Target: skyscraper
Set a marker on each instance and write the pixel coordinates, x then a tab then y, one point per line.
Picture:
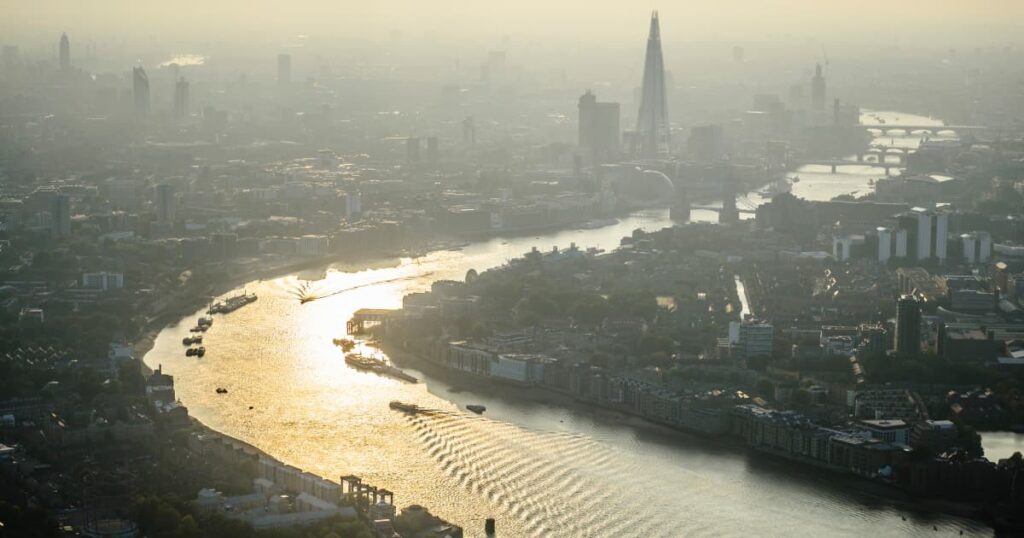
818	89
652	129
181	99
65	53
60	214
284	69
140	91
908	326
598	127
165	205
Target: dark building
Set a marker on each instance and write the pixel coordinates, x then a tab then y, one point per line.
181	99
165	205
598	127
60	212
872	340
469	131
652	127
140	91
818	89
706	143
908	326
65	53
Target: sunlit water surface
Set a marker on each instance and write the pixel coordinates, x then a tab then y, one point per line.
539	468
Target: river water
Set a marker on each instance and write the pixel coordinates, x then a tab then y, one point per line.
539	468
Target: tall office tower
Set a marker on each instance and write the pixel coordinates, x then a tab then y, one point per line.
927	233
706	143
469	131
652	128
60	214
284	69
908	326
412	150
753	339
598	127
65	53
181	99
165	205
140	91
818	89
977	247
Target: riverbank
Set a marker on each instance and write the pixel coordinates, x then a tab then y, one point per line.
858	488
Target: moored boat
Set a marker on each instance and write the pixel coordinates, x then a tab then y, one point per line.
232	303
476	408
405	407
378	366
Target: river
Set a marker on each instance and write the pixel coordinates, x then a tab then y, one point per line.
540	469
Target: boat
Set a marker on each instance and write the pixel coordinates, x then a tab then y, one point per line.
346	344
405	407
476	408
232	303
378	366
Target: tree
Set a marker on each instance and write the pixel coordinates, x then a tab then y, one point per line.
589	309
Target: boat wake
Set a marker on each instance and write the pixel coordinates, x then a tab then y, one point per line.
552	484
307	291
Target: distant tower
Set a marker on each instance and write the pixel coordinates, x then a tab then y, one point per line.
165	205
284	69
598	127
729	212
652	129
680	209
140	91
65	53
469	131
60	214
181	99
818	89
908	326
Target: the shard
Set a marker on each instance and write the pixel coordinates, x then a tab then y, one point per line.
652	129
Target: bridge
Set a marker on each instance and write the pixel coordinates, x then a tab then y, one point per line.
719	209
890	128
879	162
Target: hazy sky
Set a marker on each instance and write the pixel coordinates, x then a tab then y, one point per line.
570	20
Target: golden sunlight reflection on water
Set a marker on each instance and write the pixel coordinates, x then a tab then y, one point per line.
540	469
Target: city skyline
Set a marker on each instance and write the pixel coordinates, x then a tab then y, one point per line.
392	270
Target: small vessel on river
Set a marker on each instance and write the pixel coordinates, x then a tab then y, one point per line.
378	366
232	303
405	407
346	344
476	408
